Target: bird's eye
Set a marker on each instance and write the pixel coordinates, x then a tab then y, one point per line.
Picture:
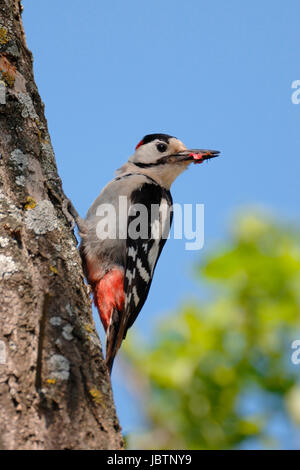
161	147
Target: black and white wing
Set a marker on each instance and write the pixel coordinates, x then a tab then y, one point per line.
142	253
149	221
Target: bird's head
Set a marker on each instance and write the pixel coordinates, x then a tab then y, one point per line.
163	157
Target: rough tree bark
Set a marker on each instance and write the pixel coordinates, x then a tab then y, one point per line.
55	392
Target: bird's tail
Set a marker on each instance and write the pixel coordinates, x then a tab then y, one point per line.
112	345
115	334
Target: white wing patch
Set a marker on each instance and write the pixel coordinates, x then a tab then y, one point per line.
132	252
152	256
143	272
129	276
155	230
135	296
164	215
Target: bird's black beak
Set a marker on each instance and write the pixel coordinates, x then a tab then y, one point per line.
197	155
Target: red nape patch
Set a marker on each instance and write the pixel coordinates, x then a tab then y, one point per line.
139	144
109	294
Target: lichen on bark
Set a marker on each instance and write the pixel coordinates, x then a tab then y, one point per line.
53	357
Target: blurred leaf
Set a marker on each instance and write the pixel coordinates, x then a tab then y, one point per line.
205	357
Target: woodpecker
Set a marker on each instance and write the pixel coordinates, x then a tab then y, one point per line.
120	268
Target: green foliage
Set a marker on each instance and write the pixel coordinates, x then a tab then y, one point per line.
206	358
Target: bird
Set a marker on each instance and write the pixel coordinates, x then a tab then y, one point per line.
119	262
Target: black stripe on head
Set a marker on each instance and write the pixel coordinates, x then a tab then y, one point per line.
150	137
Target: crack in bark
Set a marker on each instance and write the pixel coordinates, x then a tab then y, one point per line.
39	362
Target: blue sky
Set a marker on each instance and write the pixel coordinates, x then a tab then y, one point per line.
215	74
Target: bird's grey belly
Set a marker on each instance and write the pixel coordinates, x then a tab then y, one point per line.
110	207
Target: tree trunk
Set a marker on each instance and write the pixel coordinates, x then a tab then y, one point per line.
55	392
